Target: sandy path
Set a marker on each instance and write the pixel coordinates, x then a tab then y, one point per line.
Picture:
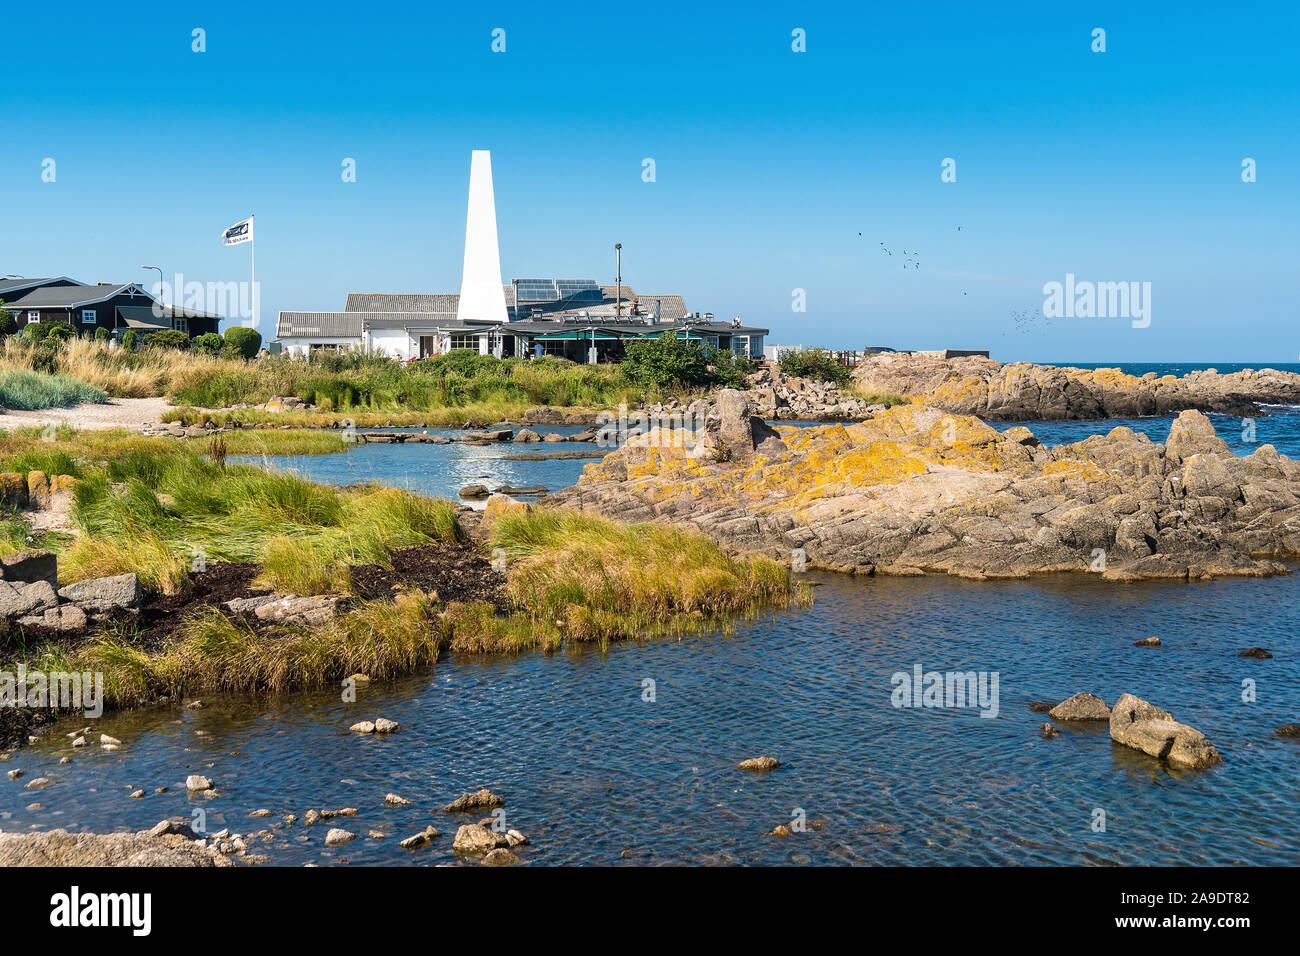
117	413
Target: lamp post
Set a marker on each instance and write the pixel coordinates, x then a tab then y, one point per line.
160	284
618	278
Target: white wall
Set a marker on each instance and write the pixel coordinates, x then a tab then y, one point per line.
395	343
298	347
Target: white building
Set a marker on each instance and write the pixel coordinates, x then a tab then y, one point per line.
574	318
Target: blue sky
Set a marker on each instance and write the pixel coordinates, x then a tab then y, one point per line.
1115	166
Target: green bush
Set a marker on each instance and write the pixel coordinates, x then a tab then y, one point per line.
666	362
168	339
244	340
729	369
35	331
209	342
101	334
8	326
61	333
814	363
130	340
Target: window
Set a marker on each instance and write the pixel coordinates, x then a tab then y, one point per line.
87	316
33	317
464	342
180	323
552	347
325	347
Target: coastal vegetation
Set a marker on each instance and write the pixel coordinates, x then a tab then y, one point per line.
816	364
26	389
209	376
168	512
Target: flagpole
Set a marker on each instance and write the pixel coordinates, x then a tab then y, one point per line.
252	251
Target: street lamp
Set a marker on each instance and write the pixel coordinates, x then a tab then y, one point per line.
618	278
160	278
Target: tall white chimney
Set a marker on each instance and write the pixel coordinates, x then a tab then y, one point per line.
481	294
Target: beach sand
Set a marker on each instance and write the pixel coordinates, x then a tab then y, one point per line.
117	413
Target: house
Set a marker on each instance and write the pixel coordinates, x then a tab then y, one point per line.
571	318
105	305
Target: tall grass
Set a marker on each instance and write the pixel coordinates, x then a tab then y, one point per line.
596	580
350	382
153	513
28	390
215	653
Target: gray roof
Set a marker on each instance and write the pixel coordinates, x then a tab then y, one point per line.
13	285
336	325
64	297
400	302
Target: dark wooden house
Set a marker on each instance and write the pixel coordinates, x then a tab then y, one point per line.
106	305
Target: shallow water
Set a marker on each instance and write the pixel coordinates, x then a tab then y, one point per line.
1280	427
593	774
442	470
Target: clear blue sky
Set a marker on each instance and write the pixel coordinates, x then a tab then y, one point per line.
1118	166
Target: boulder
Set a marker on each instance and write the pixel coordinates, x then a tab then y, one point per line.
1141	725
66	617
527	436
423	838
338	837
29	566
499	857
475	491
363	727
310	611
482	800
476	838
1286	730
1258	653
758	764
493	435
22	599
1192	433
734	433
101	595
1082	706
197	783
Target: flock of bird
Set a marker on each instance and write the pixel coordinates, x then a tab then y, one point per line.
1024	320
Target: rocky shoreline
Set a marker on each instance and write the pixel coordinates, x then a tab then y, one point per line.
1023	391
916	490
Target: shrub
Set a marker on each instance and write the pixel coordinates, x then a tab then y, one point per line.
60	333
35	331
244	340
130	340
814	363
209	342
101	334
7	324
168	339
665	362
